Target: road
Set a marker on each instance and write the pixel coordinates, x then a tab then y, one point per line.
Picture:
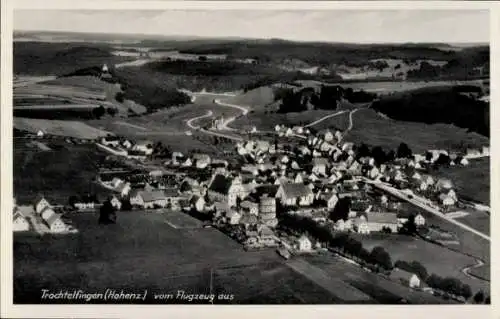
425	207
465	271
324	118
190	121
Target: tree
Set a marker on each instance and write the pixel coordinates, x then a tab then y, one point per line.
72	200
443	160
353	247
107	213
409	228
381	257
487	300
379	155
391	156
404	151
111	111
126	205
419	270
363	151
434	281
465	291
98	112
479	297
341	210
120	97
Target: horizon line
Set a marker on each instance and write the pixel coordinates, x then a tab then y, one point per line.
235	38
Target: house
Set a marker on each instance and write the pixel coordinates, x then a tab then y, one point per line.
405	278
360	225
40	204
464	162
338	135
328	136
47	212
376	222
149	199
288	132
40	133
144	146
304	150
320	165
55	224
446	200
291	194
266	236
233	217
419	220
110	141
226	189
374	172
127	144
304	244
187	162
354	168
277	128
250	207
330	199
123	188
20	222
197	202
201	160
116	203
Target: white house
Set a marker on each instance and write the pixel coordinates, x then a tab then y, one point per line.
464	162
419	220
226	189
198	202
40	133
20	222
329	136
304	244
40	204
295	194
320	165
145	147
406	278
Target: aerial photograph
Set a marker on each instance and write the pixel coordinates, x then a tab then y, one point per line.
253	157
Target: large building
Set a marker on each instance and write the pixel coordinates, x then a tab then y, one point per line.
226	189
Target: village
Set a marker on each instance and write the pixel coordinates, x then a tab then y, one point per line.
272	194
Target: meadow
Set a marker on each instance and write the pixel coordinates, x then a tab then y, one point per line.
376	130
437	259
74	129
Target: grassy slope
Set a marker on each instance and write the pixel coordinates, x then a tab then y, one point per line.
472	181
57	174
373	129
38	58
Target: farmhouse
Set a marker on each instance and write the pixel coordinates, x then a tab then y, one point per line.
295	194
55	223
40	204
376	222
40	133
148	199
20	222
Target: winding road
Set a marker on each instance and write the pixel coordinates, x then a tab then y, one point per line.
324	118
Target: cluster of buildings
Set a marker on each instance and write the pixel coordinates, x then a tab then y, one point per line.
139	150
40	217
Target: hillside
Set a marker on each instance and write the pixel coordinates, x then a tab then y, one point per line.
437	105
40	58
256	98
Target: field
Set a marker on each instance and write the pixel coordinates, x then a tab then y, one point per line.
267	122
380	289
436	259
471	182
373	129
181	220
141	252
257	98
56	127
57	174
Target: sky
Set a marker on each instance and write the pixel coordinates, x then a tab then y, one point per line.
373	26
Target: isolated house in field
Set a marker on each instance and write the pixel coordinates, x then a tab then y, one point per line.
20	222
295	195
40	133
226	189
40	204
405	278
